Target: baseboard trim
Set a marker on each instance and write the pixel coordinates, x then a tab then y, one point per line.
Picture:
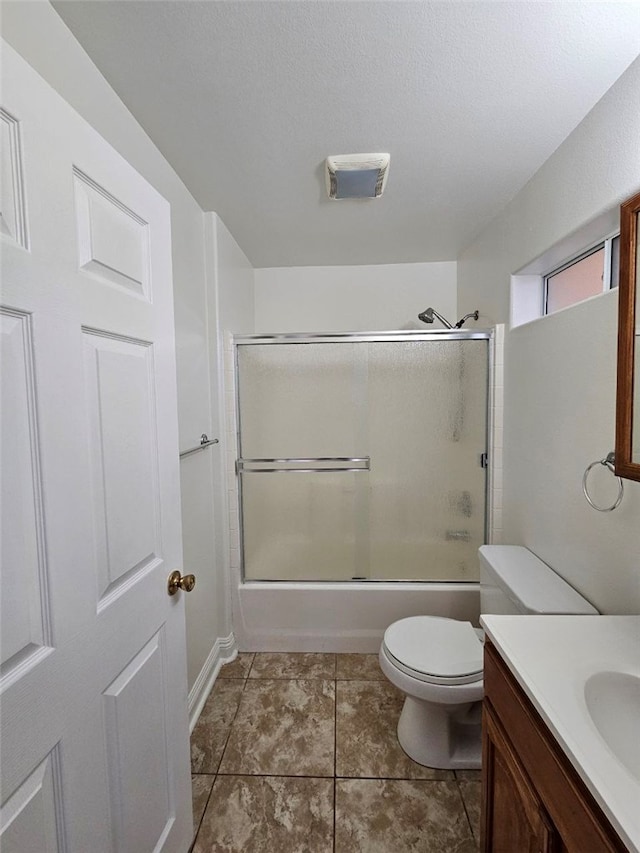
224	650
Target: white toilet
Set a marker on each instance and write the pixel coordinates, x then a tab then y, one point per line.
437	662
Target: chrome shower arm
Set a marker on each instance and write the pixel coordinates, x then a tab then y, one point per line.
443	320
428	315
460	323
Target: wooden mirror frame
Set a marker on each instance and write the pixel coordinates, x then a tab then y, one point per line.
628	296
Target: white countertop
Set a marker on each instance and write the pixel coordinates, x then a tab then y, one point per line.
552	657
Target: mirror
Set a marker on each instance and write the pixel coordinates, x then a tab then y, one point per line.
628	399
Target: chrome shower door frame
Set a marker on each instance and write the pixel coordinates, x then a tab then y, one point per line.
352	337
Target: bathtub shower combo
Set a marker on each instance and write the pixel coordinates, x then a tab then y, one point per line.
362	460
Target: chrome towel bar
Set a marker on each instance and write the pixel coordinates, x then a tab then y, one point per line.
204	442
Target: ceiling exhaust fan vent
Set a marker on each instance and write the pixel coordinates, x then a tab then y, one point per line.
356	175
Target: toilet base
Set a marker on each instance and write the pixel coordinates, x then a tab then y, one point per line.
441	736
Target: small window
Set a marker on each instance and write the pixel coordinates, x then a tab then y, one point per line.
588	274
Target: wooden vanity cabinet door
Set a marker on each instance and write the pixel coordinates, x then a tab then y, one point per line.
533	798
513	818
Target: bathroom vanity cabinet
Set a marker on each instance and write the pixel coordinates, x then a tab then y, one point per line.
533	801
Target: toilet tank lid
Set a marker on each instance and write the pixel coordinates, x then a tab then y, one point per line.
532	585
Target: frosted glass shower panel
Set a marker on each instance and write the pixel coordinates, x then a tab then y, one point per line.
301	400
308	527
427	416
303	427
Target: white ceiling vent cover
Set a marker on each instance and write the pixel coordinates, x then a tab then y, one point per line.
357	175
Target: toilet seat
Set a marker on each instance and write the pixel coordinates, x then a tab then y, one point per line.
435	650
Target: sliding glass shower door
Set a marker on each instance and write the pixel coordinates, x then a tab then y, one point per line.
360	457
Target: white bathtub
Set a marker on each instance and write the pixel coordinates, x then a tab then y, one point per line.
345	617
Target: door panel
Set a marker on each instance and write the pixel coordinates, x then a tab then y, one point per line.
13	219
29	819
24	617
113	241
119	385
136	730
94	694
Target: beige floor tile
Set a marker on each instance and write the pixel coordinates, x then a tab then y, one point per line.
367	714
472	795
210	733
398	816
293	665
200	788
258	814
352	667
283	728
238	668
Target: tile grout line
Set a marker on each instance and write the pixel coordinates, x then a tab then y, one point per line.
217	773
466	811
335	750
226	740
204	811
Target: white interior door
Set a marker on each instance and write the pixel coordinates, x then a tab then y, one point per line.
93	693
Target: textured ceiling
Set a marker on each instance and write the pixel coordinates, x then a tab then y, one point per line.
246	99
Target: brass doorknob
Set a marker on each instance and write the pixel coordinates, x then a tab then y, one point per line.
177	581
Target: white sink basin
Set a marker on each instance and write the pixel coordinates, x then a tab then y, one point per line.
613	702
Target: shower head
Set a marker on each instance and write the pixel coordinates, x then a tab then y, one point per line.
429	313
426	316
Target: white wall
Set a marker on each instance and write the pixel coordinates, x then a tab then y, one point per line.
235	282
354	298
35	31
560	371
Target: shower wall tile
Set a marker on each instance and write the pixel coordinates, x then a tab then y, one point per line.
496	439
231	451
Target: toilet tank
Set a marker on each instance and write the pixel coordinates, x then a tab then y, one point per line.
514	580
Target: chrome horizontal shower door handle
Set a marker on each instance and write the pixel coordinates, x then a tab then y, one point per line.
303	465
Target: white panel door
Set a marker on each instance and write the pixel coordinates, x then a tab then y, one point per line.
93	693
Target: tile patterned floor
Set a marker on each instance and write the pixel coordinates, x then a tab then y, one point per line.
297	753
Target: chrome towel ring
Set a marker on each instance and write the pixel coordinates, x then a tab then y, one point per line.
608	462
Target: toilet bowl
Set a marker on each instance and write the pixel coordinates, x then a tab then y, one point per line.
437	662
